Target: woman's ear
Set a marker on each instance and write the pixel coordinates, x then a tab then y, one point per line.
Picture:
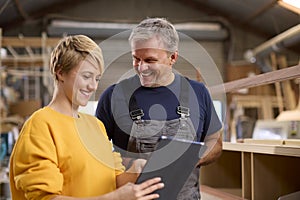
59	75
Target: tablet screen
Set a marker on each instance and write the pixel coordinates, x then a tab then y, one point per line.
173	161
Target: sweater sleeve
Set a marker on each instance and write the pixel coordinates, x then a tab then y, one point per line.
35	167
119	167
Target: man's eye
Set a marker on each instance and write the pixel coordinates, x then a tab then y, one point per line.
150	61
135	60
98	79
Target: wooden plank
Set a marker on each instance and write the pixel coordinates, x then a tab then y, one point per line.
246	175
261	79
28	41
228	173
214	193
0	47
277	84
252	176
274	176
289	95
283	150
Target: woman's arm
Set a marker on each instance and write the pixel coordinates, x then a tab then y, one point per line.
132	173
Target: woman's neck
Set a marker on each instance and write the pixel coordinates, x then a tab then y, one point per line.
64	106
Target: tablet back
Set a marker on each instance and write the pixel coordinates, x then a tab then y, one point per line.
173	161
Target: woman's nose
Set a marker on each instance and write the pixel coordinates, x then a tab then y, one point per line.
93	85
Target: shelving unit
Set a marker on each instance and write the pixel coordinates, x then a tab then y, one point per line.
28	57
255	171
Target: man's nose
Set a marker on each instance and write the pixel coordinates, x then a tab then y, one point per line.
143	66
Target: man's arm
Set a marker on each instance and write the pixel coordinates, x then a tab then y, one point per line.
214	148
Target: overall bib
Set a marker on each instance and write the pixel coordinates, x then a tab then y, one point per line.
146	133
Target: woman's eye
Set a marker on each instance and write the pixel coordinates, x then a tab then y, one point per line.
86	77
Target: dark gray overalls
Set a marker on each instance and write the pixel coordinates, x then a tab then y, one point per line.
145	134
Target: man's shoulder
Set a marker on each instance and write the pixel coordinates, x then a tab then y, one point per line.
123	88
133	80
195	84
128	85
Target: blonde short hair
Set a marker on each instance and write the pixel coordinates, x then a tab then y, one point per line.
71	50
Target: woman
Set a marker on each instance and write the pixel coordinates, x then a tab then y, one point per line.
64	154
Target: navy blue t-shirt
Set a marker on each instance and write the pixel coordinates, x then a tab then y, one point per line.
159	103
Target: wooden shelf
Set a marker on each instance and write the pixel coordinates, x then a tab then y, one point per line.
260	171
35	50
283	150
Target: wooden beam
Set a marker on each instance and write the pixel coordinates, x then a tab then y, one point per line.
261	79
34	42
213	12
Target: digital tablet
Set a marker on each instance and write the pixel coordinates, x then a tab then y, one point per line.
173	160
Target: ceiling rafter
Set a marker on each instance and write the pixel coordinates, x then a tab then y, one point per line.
21	10
260	11
203	7
40	13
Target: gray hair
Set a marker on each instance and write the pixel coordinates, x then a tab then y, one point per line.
156	27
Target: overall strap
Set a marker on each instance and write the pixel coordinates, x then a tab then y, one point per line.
128	87
183	109
135	112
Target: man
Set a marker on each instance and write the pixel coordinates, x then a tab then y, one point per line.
157	101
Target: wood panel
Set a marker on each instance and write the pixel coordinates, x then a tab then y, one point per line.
28	41
261	79
223	174
275	176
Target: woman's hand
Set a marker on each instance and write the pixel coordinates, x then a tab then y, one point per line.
137	166
132	173
142	191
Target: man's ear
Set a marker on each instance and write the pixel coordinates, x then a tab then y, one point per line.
174	57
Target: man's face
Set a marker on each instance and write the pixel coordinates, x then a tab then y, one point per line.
152	63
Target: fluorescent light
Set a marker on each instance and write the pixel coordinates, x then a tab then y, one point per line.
91	25
196	30
293	5
198	26
100	25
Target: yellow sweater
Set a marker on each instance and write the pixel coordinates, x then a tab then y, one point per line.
57	154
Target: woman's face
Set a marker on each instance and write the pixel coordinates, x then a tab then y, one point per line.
80	83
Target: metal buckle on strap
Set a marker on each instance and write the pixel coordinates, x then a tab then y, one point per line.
136	114
183	111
